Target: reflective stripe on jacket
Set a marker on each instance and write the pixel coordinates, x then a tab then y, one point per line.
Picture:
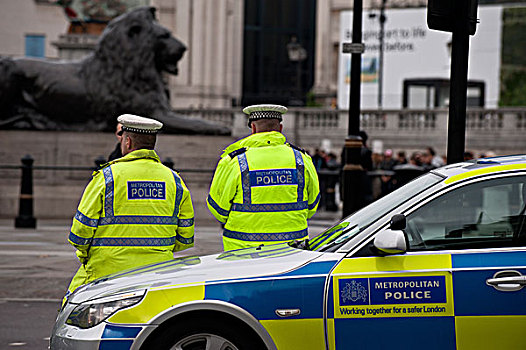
263	190
135	211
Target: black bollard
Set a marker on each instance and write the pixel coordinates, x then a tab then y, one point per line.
25	218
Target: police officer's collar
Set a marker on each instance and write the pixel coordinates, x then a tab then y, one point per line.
137	154
262	139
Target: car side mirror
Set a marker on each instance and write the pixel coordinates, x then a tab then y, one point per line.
398	222
391	241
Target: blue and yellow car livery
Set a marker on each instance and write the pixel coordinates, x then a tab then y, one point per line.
462	288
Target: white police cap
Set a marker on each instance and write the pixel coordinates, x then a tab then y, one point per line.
139	125
265	111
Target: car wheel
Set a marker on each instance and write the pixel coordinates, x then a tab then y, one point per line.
204	341
204	334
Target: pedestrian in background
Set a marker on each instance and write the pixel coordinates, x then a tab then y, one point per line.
401	158
468	155
331	181
436	160
264	189
409	171
319	159
117	153
135	211
387	162
366	161
387	184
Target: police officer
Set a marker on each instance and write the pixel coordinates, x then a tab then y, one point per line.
264	189
135	211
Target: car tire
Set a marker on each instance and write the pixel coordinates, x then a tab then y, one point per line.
201	334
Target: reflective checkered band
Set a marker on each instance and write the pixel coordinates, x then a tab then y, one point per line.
313	205
216	206
178	193
108	194
184	240
186	222
265	115
138	219
300	167
132	242
245	178
78	240
138	131
263	237
270	207
84	220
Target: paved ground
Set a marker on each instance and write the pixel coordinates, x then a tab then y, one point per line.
36	266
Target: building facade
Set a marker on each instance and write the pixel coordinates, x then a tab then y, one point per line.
29	28
238	50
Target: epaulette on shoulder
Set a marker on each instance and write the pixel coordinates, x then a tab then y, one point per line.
237	152
297	148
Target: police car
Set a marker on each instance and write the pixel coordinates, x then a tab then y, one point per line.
437	264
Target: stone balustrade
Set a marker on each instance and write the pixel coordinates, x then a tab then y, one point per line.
500	130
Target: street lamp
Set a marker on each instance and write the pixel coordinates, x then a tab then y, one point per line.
382	20
460	18
353	172
297	54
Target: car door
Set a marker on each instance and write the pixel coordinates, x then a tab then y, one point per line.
460	285
400	301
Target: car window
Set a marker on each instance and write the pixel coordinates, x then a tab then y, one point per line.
334	237
485	214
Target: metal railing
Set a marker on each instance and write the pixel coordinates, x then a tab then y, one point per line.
25	218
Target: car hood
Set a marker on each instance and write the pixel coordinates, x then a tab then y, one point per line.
238	264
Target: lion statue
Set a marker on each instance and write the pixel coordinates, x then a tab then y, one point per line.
122	75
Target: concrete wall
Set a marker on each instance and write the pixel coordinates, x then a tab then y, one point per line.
57	192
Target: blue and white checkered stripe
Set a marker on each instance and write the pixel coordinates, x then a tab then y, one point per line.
78	240
186	222
87	221
138	220
271	207
184	240
129	241
132	242
245	178
300	167
108	194
216	206
315	203
178	193
262	237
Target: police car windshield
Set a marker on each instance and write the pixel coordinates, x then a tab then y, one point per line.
337	235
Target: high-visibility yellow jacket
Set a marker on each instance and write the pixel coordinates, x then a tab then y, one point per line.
263	190
135	211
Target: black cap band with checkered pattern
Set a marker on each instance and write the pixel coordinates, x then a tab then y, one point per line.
265	111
